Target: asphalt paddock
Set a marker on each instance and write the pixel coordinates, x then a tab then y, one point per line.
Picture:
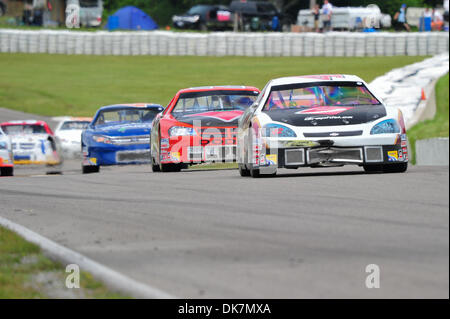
307	233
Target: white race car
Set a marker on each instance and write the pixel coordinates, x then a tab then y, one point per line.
320	121
6	156
32	142
68	132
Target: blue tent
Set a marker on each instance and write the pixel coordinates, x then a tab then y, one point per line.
131	18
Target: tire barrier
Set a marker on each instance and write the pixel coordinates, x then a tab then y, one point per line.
409	87
223	43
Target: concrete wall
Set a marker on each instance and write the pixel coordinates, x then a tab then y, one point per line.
432	151
223	43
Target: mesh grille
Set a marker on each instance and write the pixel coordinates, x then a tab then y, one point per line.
295	156
335	155
142	156
374	154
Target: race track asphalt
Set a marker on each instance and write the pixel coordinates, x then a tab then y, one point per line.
308	233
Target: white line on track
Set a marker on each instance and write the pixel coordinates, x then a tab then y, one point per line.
111	278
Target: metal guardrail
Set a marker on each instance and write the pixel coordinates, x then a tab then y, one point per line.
223	43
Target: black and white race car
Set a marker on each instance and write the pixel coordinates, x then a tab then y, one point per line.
320	121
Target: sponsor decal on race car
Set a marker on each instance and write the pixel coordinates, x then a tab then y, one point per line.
392	156
315	118
299	143
175	156
271	159
165	143
325	110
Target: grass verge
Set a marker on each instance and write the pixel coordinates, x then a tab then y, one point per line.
436	127
78	85
25	272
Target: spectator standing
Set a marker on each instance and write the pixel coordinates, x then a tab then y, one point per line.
437	20
316	14
400	17
327	11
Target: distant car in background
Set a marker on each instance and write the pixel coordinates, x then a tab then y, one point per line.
205	17
349	18
68	133
90	12
6	156
118	135
33	142
260	16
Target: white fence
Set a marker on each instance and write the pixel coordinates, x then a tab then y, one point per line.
223	43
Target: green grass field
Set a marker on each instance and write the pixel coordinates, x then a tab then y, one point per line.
26	273
77	85
438	126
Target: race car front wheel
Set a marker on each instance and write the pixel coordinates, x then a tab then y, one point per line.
90	169
255	173
243	170
170	167
155	167
7	171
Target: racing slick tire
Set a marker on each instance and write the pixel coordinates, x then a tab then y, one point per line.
170	167
7	171
88	169
255	173
243	171
395	168
155	167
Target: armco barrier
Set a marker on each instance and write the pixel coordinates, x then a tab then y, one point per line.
224	43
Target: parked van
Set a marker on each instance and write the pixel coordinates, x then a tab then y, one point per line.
90	12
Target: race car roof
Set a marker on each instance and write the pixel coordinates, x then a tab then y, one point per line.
219	88
316	78
132	105
26	122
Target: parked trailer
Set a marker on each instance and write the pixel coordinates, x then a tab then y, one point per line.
349	18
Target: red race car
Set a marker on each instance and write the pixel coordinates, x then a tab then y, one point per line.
199	125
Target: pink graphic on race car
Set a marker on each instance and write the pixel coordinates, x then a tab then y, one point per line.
227	116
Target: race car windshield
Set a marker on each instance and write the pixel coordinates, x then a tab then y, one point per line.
126	116
214	102
24	129
305	96
74	125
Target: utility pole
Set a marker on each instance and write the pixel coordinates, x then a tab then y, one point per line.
312	4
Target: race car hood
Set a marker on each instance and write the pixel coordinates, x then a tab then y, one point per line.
328	115
124	129
27	137
71	135
211	118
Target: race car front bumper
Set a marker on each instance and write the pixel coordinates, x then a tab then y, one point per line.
117	155
190	150
308	153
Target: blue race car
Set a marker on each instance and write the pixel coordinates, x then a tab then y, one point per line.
118	134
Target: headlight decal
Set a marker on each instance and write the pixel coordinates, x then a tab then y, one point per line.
389	126
277	130
101	139
182	131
